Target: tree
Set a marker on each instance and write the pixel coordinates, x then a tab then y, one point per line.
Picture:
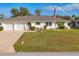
76	18
24	11
2	16
37	12
14	12
73	17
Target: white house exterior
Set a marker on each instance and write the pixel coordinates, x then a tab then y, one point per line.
21	22
15	27
74	24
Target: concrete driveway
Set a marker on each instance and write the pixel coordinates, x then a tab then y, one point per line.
7	40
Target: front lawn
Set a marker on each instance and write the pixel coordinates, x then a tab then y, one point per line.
48	41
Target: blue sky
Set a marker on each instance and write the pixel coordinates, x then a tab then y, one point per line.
61	8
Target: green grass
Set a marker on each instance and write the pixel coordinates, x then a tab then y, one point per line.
49	41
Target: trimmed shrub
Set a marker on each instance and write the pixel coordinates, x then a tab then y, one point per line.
38	29
61	25
45	26
1	28
32	28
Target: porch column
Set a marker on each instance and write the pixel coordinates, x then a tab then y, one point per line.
24	26
13	27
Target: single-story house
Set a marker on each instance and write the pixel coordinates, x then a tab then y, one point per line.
22	22
74	24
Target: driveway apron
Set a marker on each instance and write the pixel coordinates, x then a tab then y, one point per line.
8	39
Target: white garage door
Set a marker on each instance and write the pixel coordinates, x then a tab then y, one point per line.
18	27
8	26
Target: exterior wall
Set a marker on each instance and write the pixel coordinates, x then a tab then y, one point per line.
66	26
38	26
7	26
54	26
18	26
33	24
74	24
26	26
77	24
15	27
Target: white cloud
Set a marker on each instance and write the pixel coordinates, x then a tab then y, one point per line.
52	8
71	7
68	7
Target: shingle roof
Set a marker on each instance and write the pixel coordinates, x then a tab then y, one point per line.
1	20
25	19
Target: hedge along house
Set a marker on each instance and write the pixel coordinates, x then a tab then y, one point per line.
24	22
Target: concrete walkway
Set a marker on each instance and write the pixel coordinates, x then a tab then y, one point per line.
7	40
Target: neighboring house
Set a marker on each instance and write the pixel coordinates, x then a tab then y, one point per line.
21	22
74	24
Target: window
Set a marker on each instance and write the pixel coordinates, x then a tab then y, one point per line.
50	23
77	22
47	23
73	23
69	24
38	23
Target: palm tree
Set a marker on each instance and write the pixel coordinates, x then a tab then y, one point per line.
37	12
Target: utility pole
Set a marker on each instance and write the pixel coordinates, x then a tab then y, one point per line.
55	11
